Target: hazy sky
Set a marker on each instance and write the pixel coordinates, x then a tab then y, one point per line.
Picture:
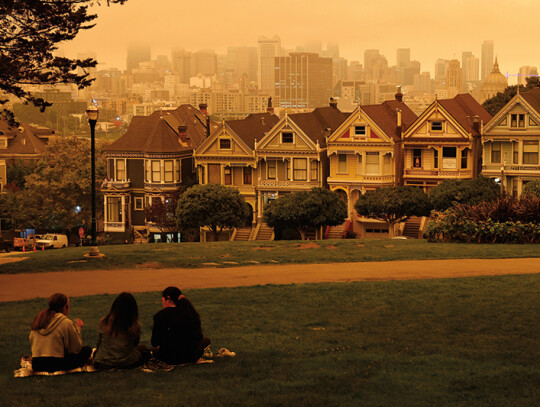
431	28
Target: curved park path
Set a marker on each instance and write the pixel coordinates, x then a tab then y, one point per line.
15	287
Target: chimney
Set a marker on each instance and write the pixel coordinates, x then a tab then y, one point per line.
476	124
398	118
270	108
333	103
203	107
183	134
399	95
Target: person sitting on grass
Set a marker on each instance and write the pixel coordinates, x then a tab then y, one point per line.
119	335
56	340
177	332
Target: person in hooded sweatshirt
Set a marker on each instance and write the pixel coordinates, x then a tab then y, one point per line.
56	340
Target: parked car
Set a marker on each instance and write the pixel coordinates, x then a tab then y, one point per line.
6	245
53	241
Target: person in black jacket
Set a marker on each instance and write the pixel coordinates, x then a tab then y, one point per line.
177	334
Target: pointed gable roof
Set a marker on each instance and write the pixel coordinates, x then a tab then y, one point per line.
253	127
315	124
462	108
385	115
532	97
25	139
158	133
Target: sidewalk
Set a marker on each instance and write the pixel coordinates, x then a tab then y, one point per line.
14	287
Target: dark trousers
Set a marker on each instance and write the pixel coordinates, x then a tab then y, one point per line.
68	362
184	355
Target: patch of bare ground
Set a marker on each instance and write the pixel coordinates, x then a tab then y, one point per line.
388	245
263	248
359	245
149	265
313	245
225	255
331	247
4	260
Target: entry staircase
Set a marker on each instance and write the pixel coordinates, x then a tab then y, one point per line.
412	228
264	232
140	236
242	234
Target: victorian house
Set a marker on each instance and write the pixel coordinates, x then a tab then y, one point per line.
511	142
365	154
444	142
227	156
21	144
152	159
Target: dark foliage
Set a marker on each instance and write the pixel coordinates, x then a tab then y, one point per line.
31	31
497	102
469	191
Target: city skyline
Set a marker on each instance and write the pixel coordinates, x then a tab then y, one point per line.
465	27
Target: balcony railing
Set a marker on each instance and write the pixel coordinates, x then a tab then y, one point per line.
116	184
288	184
438	173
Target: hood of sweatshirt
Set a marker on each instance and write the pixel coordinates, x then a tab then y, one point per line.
57	320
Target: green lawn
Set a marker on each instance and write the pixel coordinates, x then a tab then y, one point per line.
455	342
227	254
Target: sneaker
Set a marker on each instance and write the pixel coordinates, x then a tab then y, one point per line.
154	365
207	354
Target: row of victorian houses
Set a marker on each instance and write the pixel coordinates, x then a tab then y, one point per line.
265	156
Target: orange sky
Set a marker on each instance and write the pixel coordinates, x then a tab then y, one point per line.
431	28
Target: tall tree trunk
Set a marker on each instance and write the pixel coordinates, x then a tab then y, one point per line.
302	233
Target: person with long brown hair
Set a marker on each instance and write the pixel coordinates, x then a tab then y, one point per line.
56	340
177	333
119	335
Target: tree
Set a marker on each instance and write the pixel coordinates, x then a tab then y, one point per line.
497	102
216	206
306	210
532	188
163	212
469	191
58	194
393	204
31	31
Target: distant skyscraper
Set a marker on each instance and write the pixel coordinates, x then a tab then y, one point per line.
487	58
374	64
303	80
403	57
453	78
525	72
269	49
441	68
332	49
204	62
137	53
181	64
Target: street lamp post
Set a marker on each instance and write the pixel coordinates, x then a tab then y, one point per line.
93	113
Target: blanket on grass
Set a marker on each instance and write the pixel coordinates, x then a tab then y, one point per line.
26	365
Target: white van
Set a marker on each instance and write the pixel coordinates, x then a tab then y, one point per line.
53	241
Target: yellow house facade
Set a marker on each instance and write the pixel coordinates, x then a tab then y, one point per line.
511	143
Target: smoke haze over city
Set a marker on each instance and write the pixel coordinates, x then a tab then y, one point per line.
430	29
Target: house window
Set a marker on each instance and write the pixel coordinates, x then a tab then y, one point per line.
342	164
148	174
372	163
449	158
138	204
201	175
247	176
360	131
168	171
515	152
496	152
178	166
224	144
227	176
299	169
288	169
120	170
417	158
156	171
287	137
517	120
359	167
436	126
530	152
3	143
464	155
114	209
271	164
435	158
314	176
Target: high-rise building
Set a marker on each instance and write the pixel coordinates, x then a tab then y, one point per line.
181	64
470	65
487	58
204	62
441	68
422	82
269	49
525	72
403	57
137	53
303	80
332	50
241	61
375	64
453	78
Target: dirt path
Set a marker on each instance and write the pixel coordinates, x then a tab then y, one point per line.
15	287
